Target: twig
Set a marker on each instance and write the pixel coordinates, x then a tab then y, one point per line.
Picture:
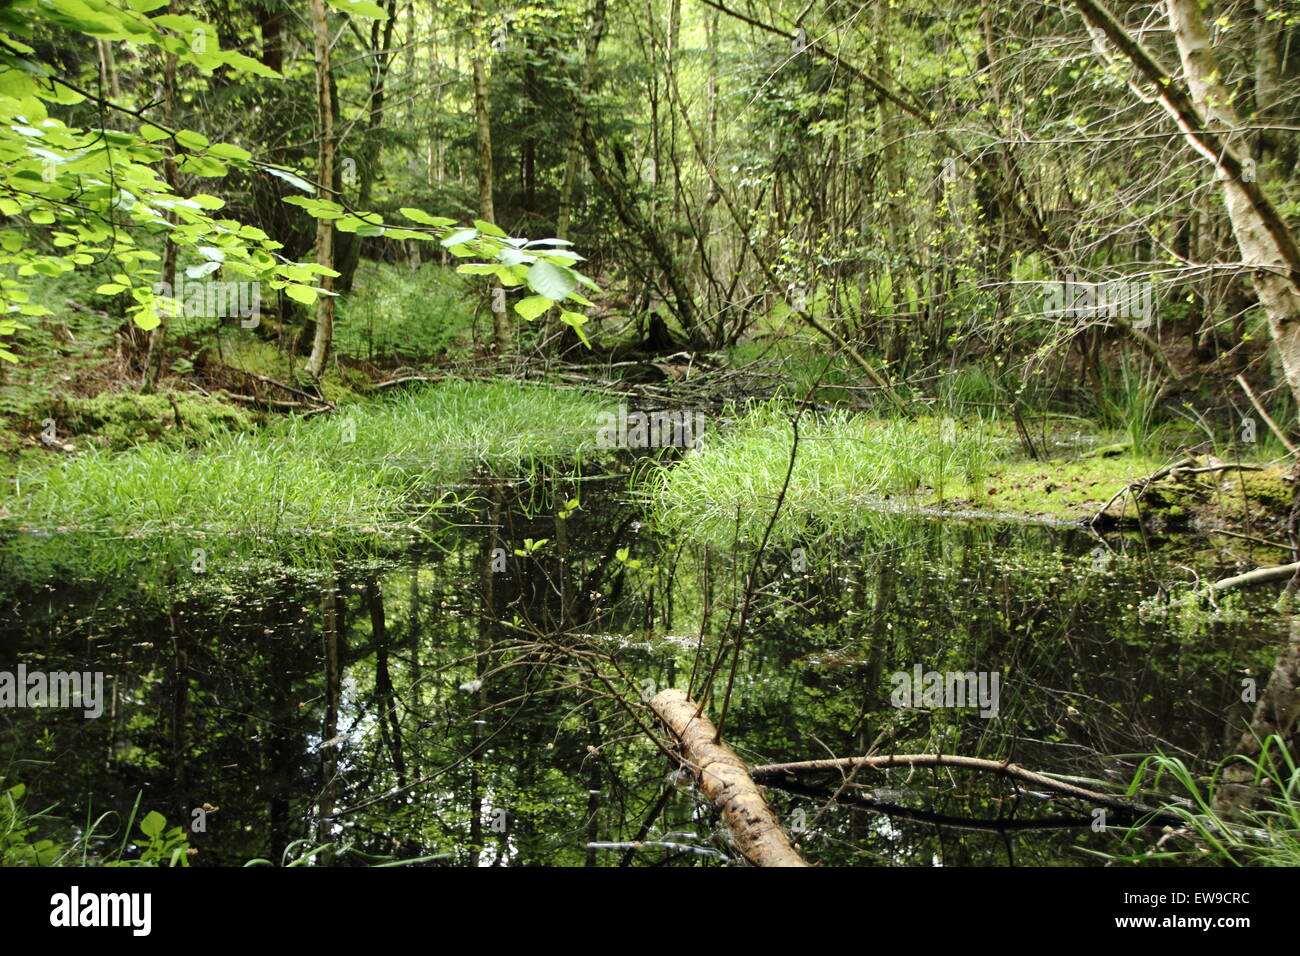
1268	419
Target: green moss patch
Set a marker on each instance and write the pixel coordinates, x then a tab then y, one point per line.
120	420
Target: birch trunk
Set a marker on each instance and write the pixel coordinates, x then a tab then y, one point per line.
1209	123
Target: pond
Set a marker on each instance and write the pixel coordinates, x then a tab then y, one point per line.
472	692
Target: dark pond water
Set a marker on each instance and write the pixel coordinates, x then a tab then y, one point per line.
438	699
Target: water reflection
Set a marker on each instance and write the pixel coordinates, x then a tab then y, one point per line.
474	694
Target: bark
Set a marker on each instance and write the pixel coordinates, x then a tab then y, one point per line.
1280	572
1268	73
555	335
158	335
1266	242
574	151
108	77
390	725
324	227
1203	111
486	207
723	777
368	154
272	24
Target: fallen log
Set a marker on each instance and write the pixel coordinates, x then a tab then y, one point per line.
1264	575
1178	470
1279	572
725	780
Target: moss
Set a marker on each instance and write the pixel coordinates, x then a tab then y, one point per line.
120	420
249	353
1264	488
1059	490
1075	490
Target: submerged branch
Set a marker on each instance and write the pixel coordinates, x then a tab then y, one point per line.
1011	770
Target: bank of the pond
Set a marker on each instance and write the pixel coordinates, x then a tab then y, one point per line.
370	465
849	469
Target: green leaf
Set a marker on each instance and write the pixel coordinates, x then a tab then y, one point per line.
512	276
181	23
246	64
290	178
513	257
459	237
533	306
191	140
109	288
203	166
300	293
489	229
229	151
153	823
548	279
360	226
202	269
577	320
360	8
147	319
320	208
424	219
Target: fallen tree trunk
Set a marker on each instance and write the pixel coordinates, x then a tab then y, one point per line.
725	780
1279	572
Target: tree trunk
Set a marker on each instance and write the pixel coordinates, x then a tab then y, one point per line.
1210	125
724	779
594	35
486	208
1275	277
325	176
158	336
381	53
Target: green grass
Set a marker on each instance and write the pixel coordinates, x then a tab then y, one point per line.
845	464
1266	836
365	467
1129	404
